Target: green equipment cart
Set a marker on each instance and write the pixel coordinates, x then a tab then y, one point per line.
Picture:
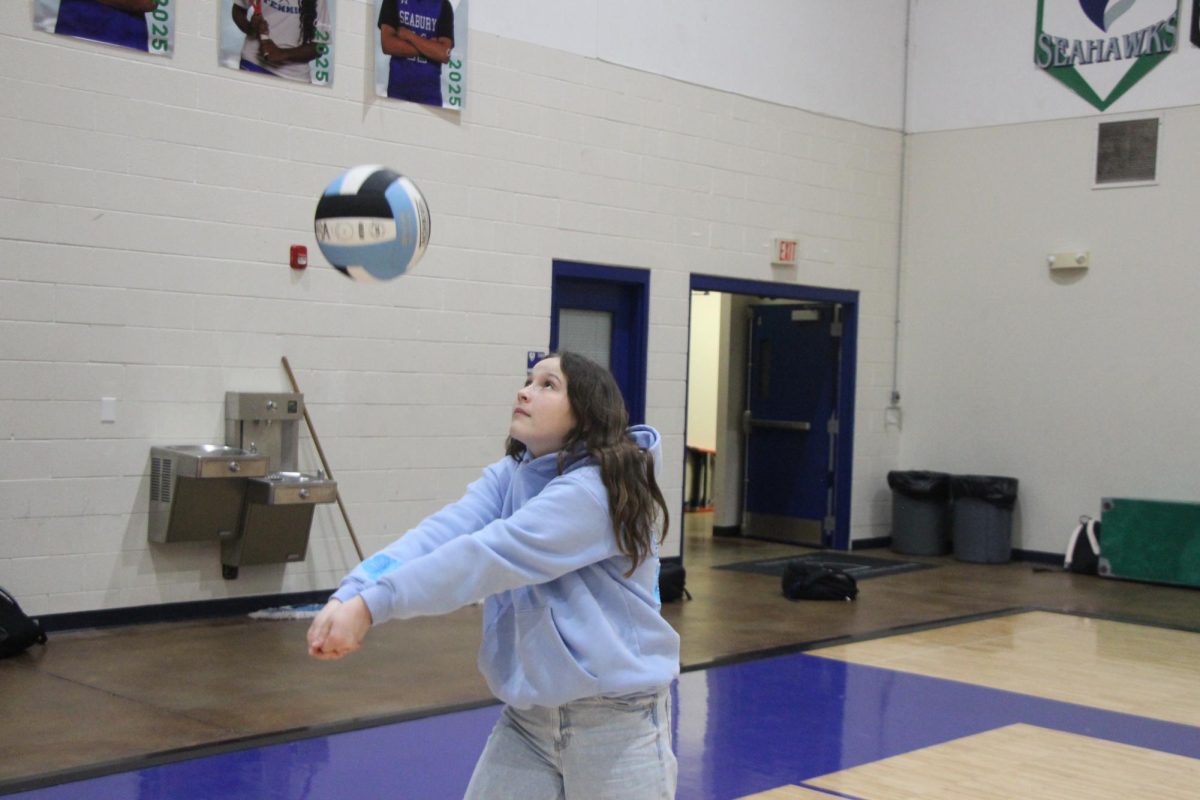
1150	540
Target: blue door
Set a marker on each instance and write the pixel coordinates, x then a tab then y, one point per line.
602	312
791	424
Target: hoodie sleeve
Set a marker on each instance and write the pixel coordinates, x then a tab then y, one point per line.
481	504
566	527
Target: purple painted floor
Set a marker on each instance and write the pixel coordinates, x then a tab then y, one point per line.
739	729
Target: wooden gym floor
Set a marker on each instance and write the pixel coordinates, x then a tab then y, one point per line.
102	701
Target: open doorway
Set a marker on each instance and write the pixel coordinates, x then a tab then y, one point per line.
770	420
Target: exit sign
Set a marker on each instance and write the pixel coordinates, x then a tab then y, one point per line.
785	253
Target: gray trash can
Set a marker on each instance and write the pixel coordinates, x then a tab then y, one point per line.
982	517
920	512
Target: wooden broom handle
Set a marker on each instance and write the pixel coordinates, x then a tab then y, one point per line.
324	463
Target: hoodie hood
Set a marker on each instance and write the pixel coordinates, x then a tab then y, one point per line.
643	436
647	438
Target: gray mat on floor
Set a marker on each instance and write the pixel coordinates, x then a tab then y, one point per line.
860	567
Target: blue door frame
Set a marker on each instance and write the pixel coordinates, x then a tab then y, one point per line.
848	299
625	293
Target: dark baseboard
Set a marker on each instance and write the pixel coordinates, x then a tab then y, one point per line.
727	530
867	544
177	612
1030	556
1037	557
240	606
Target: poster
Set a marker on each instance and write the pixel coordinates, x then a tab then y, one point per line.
421	51
146	25
289	39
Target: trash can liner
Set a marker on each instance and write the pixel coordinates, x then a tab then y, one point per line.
996	490
920	483
920	502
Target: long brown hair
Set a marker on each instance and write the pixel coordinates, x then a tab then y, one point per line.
634	499
308	21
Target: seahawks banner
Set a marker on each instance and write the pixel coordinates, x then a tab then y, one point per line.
146	25
290	39
1101	48
421	51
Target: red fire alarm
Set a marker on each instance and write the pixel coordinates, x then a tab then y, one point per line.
299	256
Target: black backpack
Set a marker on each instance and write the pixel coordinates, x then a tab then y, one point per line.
17	631
1083	549
671	579
806	581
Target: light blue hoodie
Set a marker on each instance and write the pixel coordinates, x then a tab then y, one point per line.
560	621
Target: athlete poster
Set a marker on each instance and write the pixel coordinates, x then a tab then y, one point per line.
421	51
146	25
289	39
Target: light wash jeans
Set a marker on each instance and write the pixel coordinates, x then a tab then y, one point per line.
598	748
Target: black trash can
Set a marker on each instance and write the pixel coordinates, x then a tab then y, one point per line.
920	512
982	517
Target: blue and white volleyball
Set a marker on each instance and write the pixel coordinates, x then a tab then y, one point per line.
372	223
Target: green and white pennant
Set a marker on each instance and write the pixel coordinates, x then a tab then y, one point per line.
1101	48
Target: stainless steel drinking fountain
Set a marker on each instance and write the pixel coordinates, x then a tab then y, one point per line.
197	490
276	515
246	493
266	423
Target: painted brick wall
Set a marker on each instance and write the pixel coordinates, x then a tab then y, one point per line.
147	206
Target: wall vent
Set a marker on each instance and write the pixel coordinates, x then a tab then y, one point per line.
160	480
1127	151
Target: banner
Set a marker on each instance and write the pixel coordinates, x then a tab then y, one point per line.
291	39
421	51
146	25
1101	48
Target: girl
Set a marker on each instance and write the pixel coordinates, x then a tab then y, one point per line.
559	536
281	37
120	22
418	35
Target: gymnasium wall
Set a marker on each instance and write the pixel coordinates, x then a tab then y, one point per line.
146	211
704	352
843	58
1081	385
970	65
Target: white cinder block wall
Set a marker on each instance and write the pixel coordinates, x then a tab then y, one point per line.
1082	386
147	207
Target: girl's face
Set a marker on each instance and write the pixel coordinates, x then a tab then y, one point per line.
542	417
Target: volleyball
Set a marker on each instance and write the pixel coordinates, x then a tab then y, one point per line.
372	223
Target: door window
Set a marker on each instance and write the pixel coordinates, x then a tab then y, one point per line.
588	333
